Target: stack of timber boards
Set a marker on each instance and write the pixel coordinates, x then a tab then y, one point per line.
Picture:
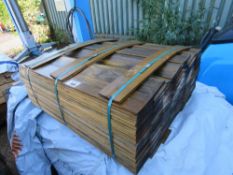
139	117
5	83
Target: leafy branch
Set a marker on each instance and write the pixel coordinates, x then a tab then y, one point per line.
163	23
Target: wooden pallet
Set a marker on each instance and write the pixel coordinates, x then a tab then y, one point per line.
5	83
140	114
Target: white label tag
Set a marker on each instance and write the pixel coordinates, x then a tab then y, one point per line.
73	83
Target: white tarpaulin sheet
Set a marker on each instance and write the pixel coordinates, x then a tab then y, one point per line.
200	142
7	64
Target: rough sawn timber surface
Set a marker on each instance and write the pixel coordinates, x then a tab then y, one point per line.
139	120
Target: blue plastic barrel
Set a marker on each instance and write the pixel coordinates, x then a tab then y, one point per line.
216	68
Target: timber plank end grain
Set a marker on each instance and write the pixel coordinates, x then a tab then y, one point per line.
5	83
119	96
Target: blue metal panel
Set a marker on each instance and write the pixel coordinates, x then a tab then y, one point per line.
81	31
85	6
217	68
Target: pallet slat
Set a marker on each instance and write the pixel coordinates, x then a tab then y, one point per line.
51	56
109	90
5	83
80	64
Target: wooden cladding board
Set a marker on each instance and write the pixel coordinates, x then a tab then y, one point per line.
5	83
140	119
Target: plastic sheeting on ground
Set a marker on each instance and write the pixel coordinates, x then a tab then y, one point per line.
22	121
200	142
7	64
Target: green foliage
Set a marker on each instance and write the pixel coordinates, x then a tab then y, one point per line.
30	10
164	24
4	16
61	37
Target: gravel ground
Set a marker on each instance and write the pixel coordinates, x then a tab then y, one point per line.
10	43
6	157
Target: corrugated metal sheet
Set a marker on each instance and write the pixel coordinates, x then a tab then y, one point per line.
116	17
57	19
122	17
